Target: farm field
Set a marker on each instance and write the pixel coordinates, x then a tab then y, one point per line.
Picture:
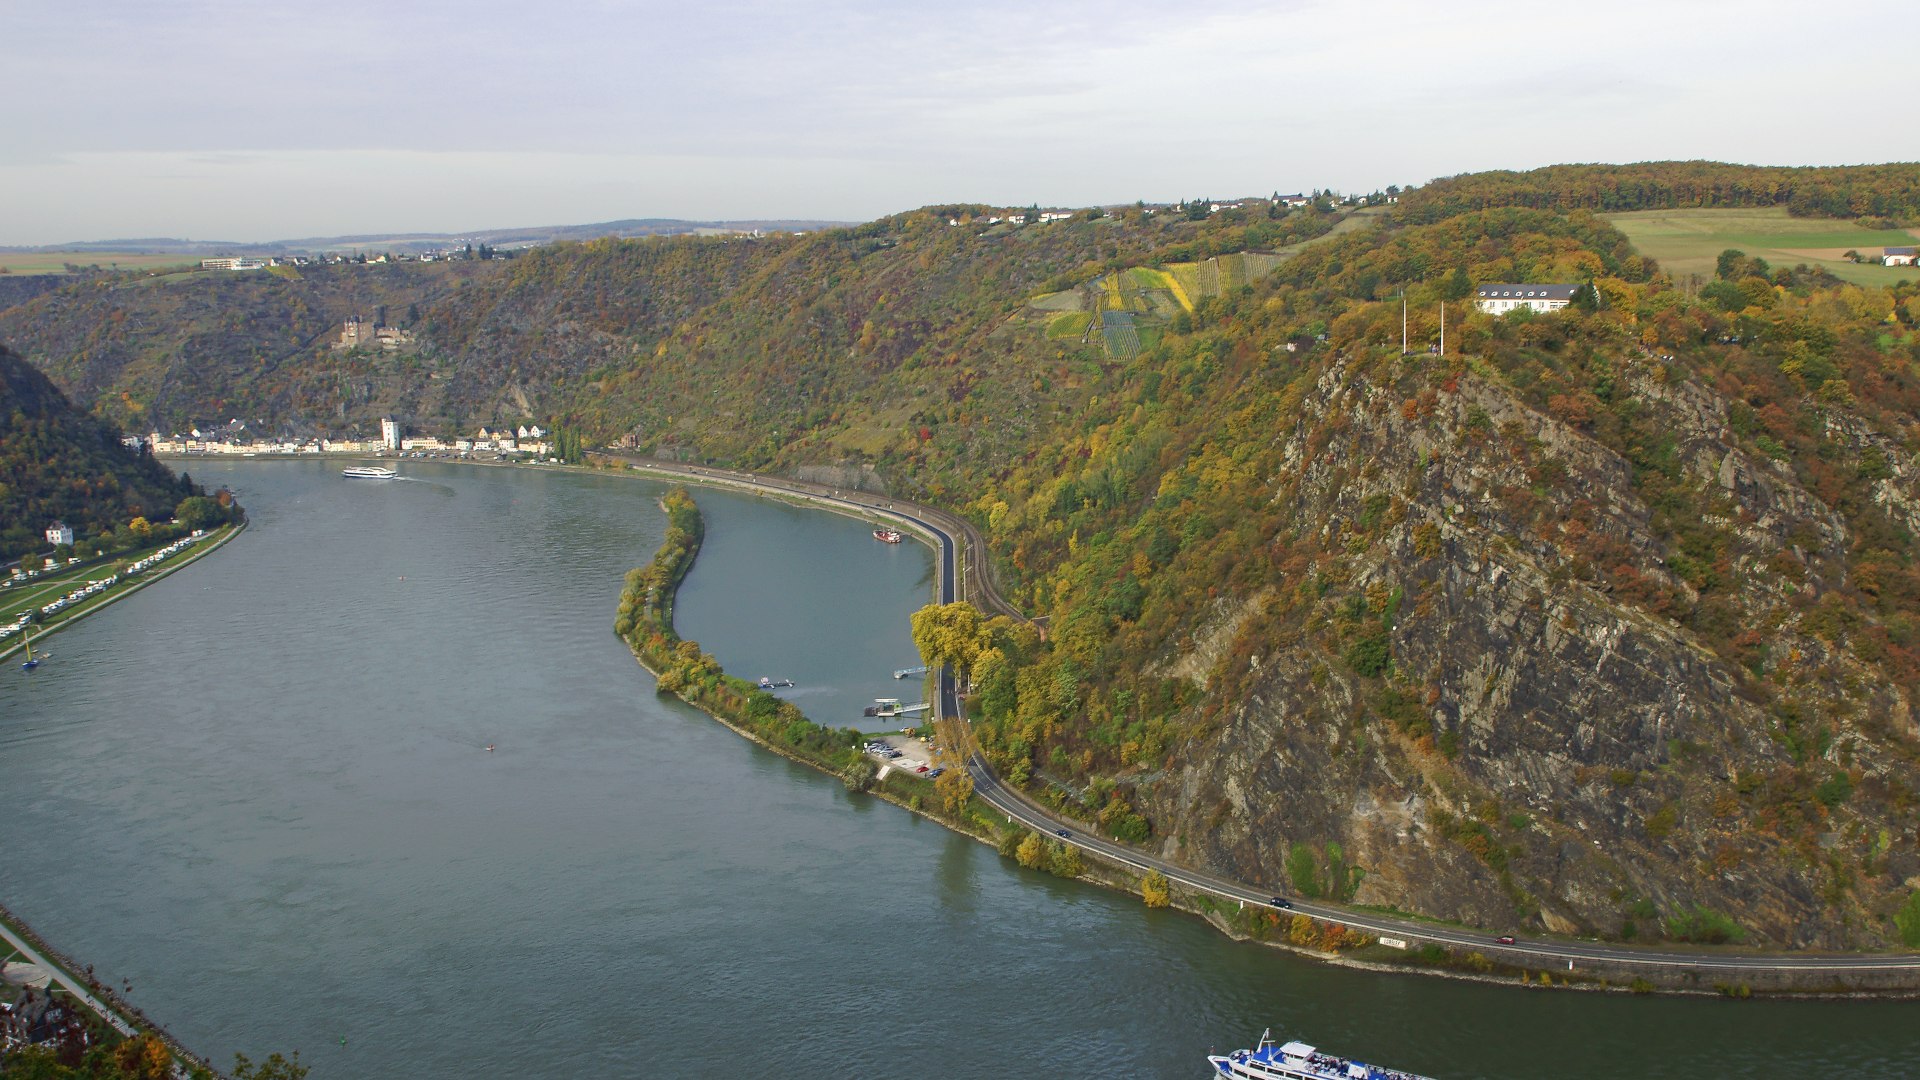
55	262
1688	241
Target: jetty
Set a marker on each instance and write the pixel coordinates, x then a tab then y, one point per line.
887	706
909	672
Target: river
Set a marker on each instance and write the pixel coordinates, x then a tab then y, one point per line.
258	793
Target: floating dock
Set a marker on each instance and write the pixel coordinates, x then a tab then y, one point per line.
907	672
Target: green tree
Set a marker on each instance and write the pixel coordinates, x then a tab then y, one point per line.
199	512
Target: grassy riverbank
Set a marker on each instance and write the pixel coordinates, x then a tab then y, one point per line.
33	596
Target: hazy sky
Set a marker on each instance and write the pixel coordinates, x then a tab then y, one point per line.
261	119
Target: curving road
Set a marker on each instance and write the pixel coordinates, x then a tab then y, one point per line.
963	574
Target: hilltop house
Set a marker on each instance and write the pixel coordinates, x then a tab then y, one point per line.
1897	256
1500	299
59	533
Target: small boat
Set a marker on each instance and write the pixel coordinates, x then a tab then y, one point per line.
31	663
1298	1061
489	748
368	472
888	536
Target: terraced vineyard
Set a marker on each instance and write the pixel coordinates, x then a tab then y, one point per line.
1118	333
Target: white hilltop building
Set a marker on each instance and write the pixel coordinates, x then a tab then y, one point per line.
1500	299
59	533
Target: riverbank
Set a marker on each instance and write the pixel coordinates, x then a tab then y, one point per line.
213	542
124	1019
73	978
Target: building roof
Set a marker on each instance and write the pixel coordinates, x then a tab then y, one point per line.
1526	292
1899	251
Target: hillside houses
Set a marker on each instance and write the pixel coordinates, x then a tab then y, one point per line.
1897	256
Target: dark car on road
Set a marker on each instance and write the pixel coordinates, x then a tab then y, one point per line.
1062	832
1283	902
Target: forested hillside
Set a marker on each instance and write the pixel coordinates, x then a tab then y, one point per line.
203	348
1886	193
59	464
1601	621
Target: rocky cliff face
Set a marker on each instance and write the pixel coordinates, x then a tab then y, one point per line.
1476	702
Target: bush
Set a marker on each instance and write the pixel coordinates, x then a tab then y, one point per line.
1834	790
1704	926
859	773
1064	860
1907	920
1154	889
1303	870
1369	655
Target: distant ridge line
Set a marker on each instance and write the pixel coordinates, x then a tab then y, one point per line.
624	228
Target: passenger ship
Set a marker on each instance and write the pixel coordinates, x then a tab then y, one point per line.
1297	1061
368	472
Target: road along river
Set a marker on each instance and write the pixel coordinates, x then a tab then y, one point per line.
258	792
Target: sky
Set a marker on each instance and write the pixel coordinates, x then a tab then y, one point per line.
253	120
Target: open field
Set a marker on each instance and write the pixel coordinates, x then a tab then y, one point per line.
1688	241
55	262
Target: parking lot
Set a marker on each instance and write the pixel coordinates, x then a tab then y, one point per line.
903	753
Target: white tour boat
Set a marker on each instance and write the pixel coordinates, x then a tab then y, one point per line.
1297	1061
368	472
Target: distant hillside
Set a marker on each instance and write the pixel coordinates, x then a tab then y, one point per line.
59	464
408	242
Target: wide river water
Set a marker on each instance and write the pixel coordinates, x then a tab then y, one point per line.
257	793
